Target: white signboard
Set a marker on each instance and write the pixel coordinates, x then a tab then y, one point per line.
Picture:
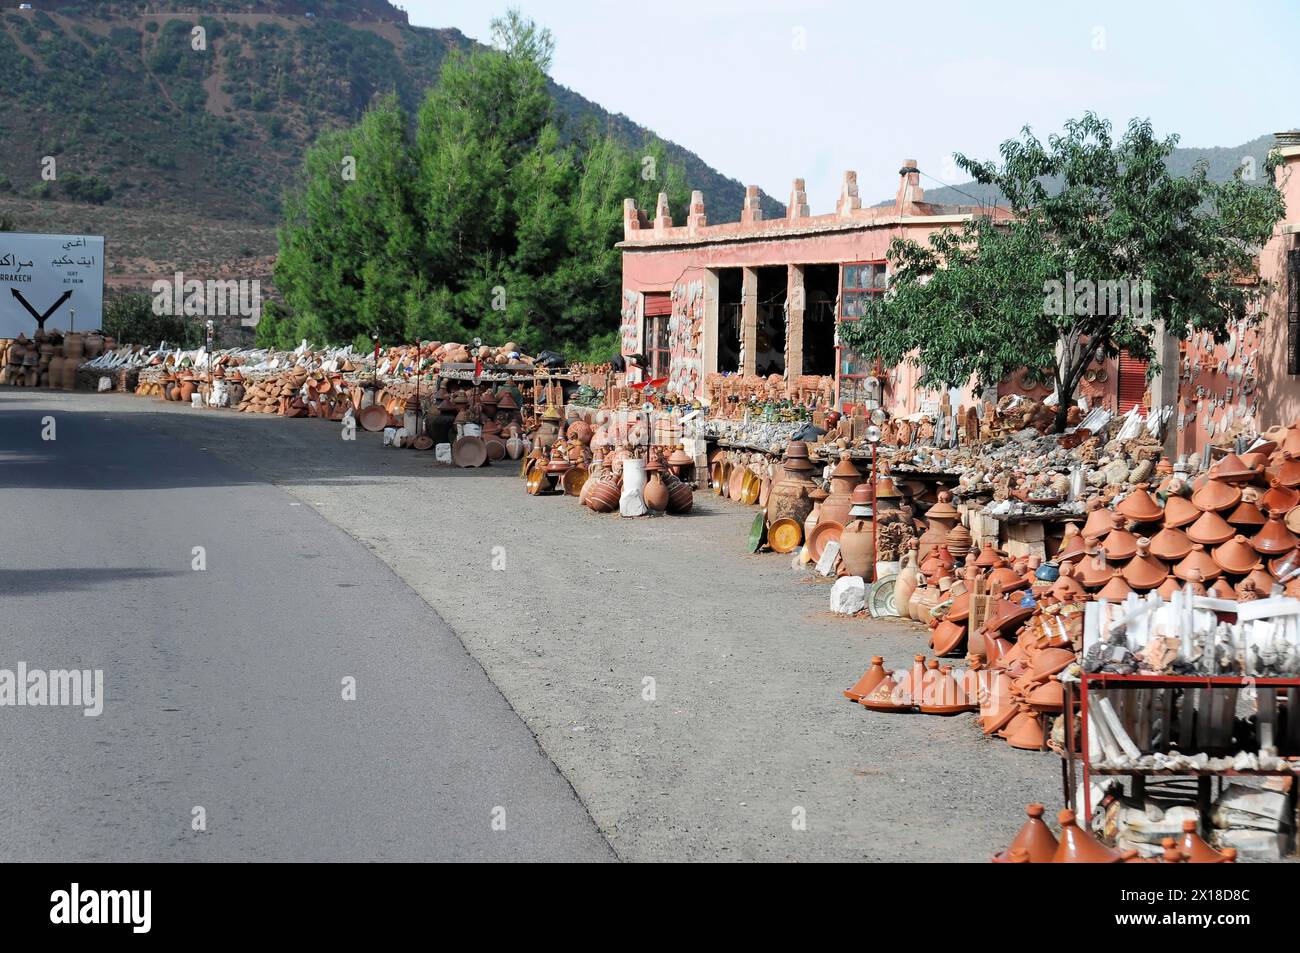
44	277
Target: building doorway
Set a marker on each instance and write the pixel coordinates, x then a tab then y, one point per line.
821	286
730	290
769	352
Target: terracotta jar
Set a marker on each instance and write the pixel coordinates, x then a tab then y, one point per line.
1170	545
655	494
1274	538
1077	846
1144	571
906	582
844	479
789	497
1197	566
1179	511
603	494
680	497
873	676
858	548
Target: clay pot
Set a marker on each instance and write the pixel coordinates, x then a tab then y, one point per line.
958	540
1288	472
1116	590
906	582
858	548
602	495
1197	566
872	677
1257	580
1278	497
1210	529
1099	521
988	557
943	510
844	479
1066	588
1077	846
680	497
1144	571
1048	697
1170	545
1035	838
1094	571
1217	495
789	498
1236	556
1247	516
1197	851
1167	588
882	697
1179	511
655	494
1139	506
1232	469
1119	544
947	637
1274	538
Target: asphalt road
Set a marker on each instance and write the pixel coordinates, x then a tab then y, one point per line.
223	686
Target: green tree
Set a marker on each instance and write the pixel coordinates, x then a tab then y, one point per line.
996	296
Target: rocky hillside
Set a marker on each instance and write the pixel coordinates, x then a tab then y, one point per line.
137	118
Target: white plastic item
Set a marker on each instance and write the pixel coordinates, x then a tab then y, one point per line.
631	503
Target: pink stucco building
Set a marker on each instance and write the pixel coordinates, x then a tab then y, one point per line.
763	296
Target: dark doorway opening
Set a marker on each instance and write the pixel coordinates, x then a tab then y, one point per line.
821	286
769	354
730	285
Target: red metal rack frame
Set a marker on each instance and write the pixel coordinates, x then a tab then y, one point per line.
1102	680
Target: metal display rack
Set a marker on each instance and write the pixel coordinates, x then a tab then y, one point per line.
1268	688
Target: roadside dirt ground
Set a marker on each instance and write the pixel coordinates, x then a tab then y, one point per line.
747	732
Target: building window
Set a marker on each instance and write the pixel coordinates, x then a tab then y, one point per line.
658	312
862	286
1293	311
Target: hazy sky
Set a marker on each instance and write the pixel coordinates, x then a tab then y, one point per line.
767	90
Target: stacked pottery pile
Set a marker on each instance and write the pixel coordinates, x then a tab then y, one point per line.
928	687
664	491
1231	533
790	498
1036	844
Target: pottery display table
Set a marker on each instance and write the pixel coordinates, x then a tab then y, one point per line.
1153	708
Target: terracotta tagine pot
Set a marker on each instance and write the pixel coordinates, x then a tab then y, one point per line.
1197	566
1116	590
1140	507
958	540
1144	571
988	557
1274	538
1279	497
1236	556
873	676
1210	529
1094	571
1066	588
1257	580
1035	838
946	637
1099	521
1197	851
1170	545
1077	846
1217	495
1180	511
1247	517
1119	544
1288	472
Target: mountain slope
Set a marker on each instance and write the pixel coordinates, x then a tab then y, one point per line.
1221	162
136	117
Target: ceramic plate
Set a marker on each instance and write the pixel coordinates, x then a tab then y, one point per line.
469	452
823	533
785	535
880	601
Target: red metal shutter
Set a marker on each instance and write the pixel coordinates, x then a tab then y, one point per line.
658	302
1132	382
